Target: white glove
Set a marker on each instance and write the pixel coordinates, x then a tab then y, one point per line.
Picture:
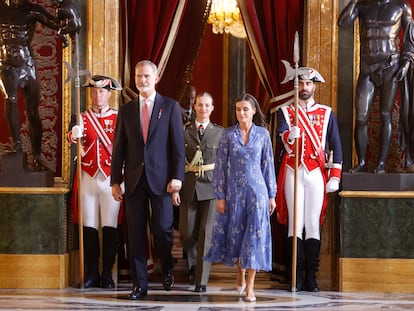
332	185
294	133
77	132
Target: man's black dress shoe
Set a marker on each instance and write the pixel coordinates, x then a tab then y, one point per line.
137	293
200	289
168	282
92	282
191	275
107	281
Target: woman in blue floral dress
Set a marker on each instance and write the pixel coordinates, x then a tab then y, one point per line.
245	187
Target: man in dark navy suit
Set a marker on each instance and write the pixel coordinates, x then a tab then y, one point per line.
149	155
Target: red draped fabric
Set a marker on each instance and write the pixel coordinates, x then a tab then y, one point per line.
270	28
178	71
147	29
159	31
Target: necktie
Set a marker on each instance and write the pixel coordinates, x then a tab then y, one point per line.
200	131
145	120
187	116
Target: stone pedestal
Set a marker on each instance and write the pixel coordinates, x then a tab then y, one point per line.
377	182
14	173
35	237
376	240
376	226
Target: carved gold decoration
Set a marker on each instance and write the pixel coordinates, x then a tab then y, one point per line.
103	42
321	46
66	113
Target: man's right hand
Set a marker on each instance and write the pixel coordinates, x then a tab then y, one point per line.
294	133
117	192
77	132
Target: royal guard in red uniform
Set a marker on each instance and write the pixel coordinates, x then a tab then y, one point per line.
318	173
99	209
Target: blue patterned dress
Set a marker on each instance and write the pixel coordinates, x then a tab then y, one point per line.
244	176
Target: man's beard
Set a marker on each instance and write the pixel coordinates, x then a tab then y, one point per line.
305	95
143	89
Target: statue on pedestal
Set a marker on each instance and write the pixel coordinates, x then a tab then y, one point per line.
383	65
18	19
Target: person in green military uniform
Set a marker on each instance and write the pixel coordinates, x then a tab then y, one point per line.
197	208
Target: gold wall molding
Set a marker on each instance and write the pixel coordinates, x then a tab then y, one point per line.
103	41
378	194
66	114
390	275
34	271
320	44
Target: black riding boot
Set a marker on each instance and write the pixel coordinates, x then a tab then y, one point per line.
299	262
91	251
110	250
312	250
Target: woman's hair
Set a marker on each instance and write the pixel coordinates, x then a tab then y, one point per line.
204	93
258	118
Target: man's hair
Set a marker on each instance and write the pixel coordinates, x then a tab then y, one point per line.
147	63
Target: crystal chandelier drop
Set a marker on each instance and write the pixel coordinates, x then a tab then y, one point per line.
225	18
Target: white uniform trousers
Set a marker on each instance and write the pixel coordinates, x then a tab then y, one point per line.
309	200
98	205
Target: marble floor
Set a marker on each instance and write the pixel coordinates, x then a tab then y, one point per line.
217	298
221	295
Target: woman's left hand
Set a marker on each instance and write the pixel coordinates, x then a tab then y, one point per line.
272	205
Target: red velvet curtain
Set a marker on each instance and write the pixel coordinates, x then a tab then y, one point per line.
178	71
146	28
159	31
270	28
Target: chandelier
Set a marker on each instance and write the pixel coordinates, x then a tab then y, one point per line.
225	18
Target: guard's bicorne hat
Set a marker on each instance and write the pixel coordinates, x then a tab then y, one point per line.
103	82
307	73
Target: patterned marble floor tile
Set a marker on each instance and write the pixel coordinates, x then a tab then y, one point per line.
217	298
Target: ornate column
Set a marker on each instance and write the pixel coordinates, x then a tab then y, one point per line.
320	46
